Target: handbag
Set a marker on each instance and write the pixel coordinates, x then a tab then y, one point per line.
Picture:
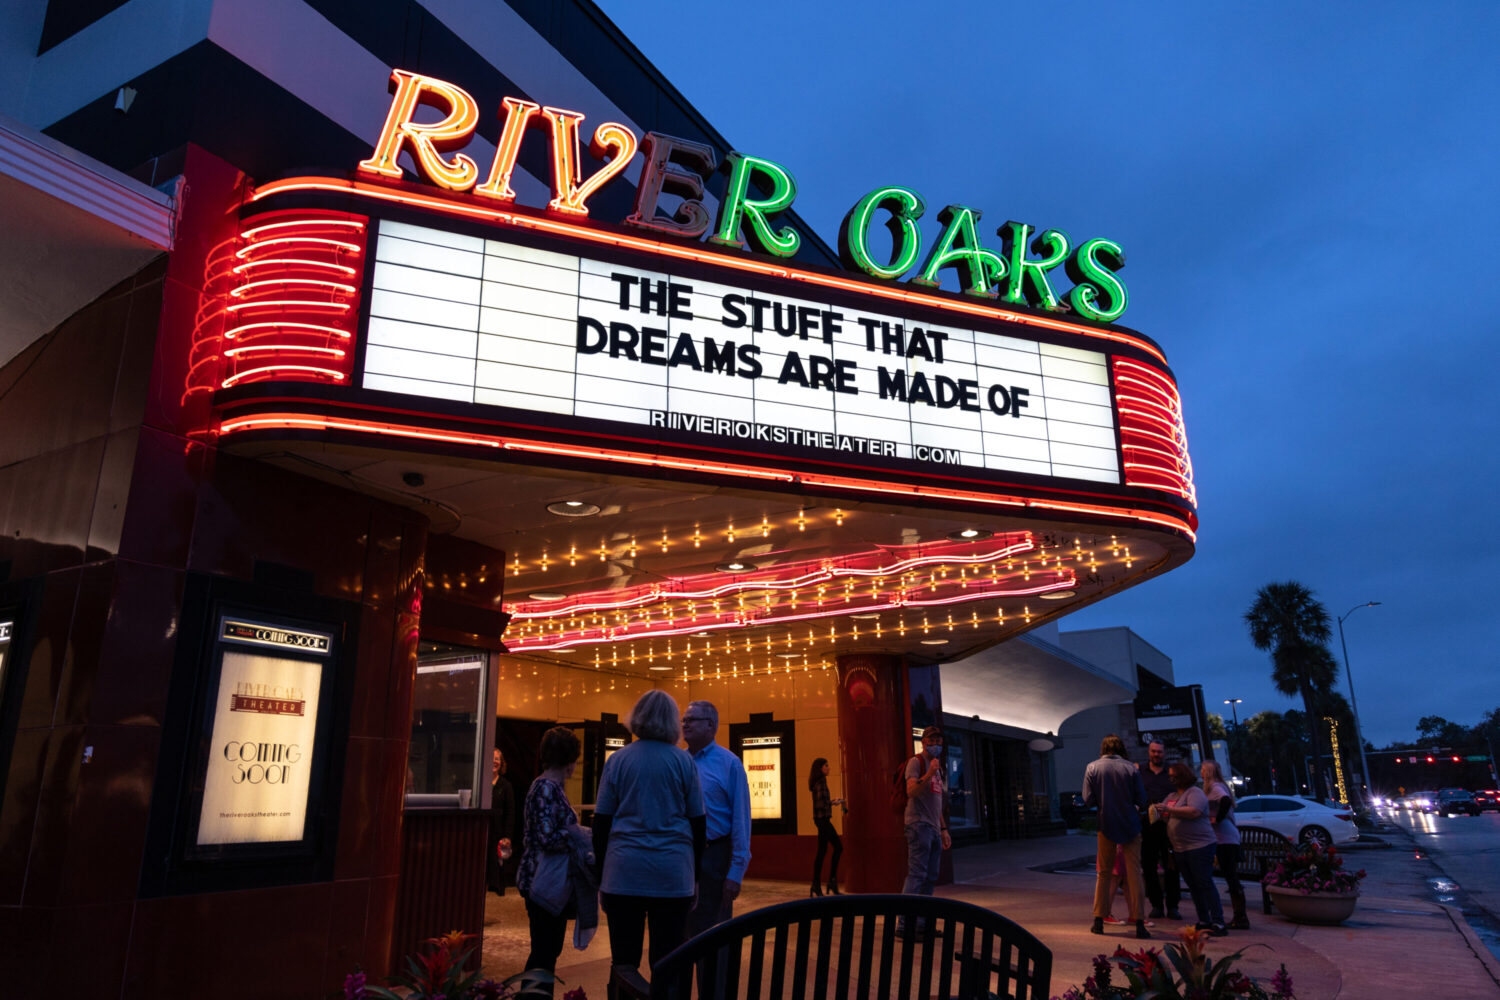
550	888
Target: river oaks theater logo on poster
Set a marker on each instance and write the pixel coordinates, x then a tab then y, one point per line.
256	785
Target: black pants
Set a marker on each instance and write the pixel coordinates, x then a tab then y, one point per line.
628	916
827	835
1156	852
547	935
713	871
1229	864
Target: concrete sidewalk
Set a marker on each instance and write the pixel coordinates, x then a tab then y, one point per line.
1398	943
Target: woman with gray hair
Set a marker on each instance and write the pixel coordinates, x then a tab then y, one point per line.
648	834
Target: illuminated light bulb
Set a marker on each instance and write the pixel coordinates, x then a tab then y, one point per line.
901	627
1026	613
545	563
602	552
925	627
801	521
838	518
573	556
664	543
879	630
950	621
517	565
697	537
730	532
974	619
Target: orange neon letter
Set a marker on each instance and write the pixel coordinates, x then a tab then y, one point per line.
568	194
518	115
428	142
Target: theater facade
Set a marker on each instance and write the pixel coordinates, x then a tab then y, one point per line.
385	383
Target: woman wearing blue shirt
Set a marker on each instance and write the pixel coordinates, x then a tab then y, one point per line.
648	833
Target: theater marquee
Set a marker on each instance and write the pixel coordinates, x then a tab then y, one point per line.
487	321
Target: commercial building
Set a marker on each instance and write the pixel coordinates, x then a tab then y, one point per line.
387	382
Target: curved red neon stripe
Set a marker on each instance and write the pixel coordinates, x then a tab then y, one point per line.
294	262
242	290
645	630
691	253
347	247
333	374
354	224
776	579
234	352
296	421
331	331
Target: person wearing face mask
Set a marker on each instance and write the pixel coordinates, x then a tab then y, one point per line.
926	815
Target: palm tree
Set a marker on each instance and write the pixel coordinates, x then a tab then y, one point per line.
1293	624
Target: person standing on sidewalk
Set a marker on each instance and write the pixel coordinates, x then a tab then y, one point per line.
1194	843
926	816
1115	787
823	804
726	808
1221	815
1156	849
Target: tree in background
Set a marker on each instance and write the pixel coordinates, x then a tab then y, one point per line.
1436	731
1292	624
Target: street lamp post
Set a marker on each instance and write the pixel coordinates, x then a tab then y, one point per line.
1234	704
1364	764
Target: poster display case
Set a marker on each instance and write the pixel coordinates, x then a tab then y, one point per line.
768	749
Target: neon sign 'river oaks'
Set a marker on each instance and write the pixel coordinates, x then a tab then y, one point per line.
757	189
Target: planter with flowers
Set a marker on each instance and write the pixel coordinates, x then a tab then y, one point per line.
1184	972
1311	886
438	972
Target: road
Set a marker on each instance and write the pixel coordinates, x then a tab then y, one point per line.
1467	850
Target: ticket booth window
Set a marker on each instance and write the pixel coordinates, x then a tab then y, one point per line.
447	763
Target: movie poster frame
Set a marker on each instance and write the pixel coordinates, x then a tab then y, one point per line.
176	863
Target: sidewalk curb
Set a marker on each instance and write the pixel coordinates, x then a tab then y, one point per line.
1489	961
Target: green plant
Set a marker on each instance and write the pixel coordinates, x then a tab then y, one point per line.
1313	868
436	972
1184	972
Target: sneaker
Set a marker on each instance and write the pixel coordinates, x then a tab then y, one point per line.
1141	932
1112	919
1218	930
1155	913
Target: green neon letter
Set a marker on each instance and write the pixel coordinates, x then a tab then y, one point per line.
738	206
906	207
1097	293
1028	278
978	269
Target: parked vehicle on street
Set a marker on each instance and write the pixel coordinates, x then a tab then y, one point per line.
1487	798
1298	819
1452	801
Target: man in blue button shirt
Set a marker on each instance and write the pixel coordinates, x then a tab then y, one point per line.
1114	785
726	805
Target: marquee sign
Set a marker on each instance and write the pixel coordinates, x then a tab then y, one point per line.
733	364
1022	272
486	321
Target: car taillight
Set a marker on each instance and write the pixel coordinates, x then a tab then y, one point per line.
1347	816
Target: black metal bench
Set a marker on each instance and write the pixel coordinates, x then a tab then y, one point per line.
1260	851
844	947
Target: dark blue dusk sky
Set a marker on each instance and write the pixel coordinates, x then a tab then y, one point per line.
1306	194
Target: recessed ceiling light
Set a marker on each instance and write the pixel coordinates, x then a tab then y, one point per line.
970	535
1059	595
570	649
573	508
656	667
788	656
737	566
934	642
868	614
702	635
547	595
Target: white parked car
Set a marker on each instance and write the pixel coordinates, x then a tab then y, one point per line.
1299	820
